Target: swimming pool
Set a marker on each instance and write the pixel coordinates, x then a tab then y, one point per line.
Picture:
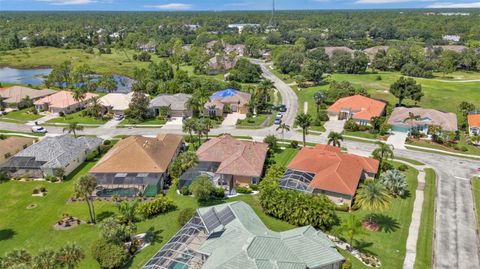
177	265
122	192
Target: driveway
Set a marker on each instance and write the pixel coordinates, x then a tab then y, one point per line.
111	124
231	119
43	119
174	123
334	125
397	140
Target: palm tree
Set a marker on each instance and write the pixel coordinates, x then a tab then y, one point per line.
383	152
350	227
207	125
84	188
411	118
128	211
46	259
284	128
189	126
16	257
372	196
73	127
395	182
319	97
70	255
334	138
79	95
95	108
304	121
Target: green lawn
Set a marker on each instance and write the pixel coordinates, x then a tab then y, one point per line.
255	122
389	243
284	157
414	162
471	149
78	118
6	132
361	134
22	116
425	236
476	194
149	121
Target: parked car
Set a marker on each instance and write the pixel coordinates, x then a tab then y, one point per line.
278	121
283	108
279	116
39	130
118	117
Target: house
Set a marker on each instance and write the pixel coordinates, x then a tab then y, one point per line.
176	102
219	64
451	38
371	52
138	162
324	169
241	26
455	48
116	102
474	124
329	50
225	101
400	122
238	49
13	95
12	145
62	101
229	162
49	155
232	236
358	107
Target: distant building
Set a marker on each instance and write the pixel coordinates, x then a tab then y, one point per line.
474	124
455	48
329	50
241	26
219	64
232	236
427	117
62	101
116	102
176	102
192	27
371	52
50	154
12	145
148	47
235	101
13	95
454	14
451	38
359	108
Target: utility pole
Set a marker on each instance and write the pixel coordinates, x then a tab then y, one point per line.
272	24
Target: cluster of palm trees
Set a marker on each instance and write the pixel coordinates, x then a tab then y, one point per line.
201	127
68	256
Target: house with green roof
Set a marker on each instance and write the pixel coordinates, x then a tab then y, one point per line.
233	236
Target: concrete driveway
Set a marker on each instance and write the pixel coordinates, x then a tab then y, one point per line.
334	125
231	119
397	140
174	123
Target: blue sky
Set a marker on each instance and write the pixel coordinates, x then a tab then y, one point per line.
162	5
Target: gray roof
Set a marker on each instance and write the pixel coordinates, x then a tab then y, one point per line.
175	101
58	151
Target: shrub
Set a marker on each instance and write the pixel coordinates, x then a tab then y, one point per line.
378	77
350	125
61	114
294	144
159	205
35	191
92	155
201	188
185	215
323	115
463	148
109	255
185	191
244	190
342	207
254	187
3	176
107	142
218	192
271	140
347	264
403	167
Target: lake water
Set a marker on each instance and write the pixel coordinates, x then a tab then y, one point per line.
37	76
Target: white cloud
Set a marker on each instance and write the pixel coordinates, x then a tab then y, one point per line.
239	4
68	2
455	5
171	6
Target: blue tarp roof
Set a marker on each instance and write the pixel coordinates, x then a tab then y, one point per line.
224	93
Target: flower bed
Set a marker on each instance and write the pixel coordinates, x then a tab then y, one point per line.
367	259
67	223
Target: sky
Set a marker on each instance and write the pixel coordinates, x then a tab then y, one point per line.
192	5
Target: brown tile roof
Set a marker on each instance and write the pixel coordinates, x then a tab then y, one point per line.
363	108
236	157
15	94
474	120
448	121
13	145
334	171
329	50
139	154
62	99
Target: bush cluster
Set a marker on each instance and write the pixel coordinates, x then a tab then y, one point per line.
157	206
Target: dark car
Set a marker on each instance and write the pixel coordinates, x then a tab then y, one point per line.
283	108
278	121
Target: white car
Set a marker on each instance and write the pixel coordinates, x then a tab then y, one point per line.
39	129
118	117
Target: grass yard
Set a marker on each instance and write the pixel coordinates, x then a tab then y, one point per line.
7	132
260	121
389	243
462	143
285	156
150	121
362	134
425	237
77	117
411	161
476	194
21	116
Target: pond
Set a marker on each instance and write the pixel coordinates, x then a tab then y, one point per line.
37	76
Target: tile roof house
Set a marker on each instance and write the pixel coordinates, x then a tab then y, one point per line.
116	102
329	50
62	101
176	102
400	123
138	161
50	154
231	162
371	52
236	100
232	236
474	124
360	108
13	95
219	64
324	169
12	145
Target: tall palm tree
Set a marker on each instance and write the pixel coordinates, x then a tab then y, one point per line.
319	98
411	118
16	257
351	227
207	125
73	127
127	211
304	121
334	139
395	182
79	95
95	107
383	152
70	255
189	127
284	128
84	188
372	196
46	259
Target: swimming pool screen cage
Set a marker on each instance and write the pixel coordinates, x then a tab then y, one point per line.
296	180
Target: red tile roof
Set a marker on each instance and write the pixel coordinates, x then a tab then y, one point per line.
334	171
474	120
363	108
236	157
